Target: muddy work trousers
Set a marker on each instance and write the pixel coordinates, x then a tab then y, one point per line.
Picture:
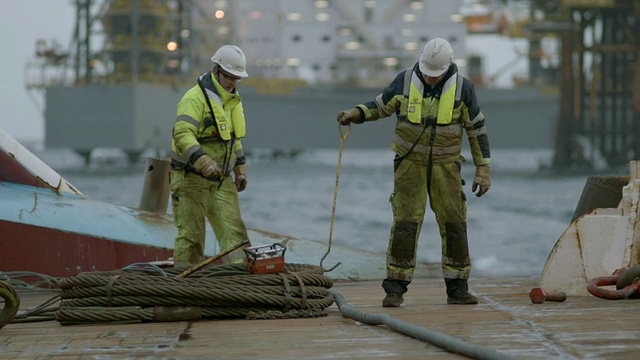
408	202
195	199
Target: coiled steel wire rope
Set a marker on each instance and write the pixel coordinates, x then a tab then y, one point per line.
224	291
123	296
13	282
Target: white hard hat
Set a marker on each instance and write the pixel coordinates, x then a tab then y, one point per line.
232	60
436	57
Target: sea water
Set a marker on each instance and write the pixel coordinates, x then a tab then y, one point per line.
511	229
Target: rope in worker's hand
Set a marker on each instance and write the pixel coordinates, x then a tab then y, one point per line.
343	138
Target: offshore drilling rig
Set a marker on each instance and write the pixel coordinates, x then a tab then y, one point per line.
599	118
131	60
128	65
595	67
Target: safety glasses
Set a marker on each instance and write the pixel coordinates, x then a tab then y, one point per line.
229	77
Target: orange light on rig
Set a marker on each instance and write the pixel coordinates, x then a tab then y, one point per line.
172	46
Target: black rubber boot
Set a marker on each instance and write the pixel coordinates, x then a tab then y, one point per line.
394	289
392	300
458	292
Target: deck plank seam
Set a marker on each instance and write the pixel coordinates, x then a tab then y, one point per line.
546	338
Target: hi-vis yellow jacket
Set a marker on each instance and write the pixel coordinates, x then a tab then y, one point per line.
451	105
196	132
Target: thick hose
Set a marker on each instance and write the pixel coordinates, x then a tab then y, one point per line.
438	339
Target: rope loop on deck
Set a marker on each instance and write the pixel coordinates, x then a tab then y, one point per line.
29	281
219	292
11	303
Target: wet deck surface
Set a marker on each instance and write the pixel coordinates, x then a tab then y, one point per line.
505	320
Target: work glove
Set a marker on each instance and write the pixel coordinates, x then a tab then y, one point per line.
208	167
241	177
482	180
350	116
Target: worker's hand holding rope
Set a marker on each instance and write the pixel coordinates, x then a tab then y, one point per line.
347	117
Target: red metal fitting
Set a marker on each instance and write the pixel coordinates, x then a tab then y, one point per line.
538	296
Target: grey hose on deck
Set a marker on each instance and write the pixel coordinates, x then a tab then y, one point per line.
438	339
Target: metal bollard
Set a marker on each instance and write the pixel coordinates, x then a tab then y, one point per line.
538	296
155	193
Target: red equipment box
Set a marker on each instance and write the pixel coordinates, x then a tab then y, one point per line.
265	259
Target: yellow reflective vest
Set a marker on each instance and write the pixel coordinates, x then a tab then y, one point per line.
452	103
197	131
447	99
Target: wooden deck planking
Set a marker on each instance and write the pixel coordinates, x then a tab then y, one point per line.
505	320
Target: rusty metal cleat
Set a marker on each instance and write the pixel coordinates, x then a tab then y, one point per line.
538	296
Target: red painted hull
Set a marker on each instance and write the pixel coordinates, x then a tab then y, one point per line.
50	251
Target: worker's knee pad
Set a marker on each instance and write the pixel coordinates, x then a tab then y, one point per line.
403	241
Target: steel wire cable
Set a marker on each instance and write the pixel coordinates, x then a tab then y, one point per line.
224	291
217	300
90	279
13	282
18	279
178	291
43	312
11	303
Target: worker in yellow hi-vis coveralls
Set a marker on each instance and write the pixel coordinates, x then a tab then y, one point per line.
433	104
206	149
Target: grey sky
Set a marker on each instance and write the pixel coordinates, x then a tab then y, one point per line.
21	24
